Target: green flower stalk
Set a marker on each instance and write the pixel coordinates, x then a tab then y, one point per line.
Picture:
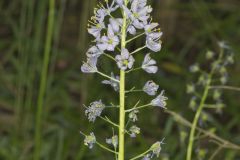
122	92
111	39
217	70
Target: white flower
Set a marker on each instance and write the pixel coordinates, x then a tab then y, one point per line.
149	27
153	41
149	64
108	42
94	52
160	100
94	110
134	130
115	23
125	60
90	65
95	30
133	115
150	88
90	140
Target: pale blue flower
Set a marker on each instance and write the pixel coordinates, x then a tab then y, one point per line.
119	2
94	110
149	64
156	149
97	23
125	60
94	52
149	27
90	65
150	88
108	42
113	7
90	140
113	141
139	13
95	30
113	83
134	130
115	23
133	115
153	41
103	11
160	100
131	29
100	14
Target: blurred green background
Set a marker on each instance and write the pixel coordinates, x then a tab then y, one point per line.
190	28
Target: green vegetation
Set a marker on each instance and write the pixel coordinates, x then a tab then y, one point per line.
190	28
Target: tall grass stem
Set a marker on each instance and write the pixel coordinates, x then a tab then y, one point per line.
43	81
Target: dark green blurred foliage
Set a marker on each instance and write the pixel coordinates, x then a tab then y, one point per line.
190	28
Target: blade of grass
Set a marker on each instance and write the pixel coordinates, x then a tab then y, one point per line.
43	81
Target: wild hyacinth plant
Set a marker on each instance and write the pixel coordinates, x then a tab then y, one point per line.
210	81
112	34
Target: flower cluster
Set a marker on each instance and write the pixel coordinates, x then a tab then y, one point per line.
107	36
133	115
109	32
134	130
94	110
217	69
90	140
